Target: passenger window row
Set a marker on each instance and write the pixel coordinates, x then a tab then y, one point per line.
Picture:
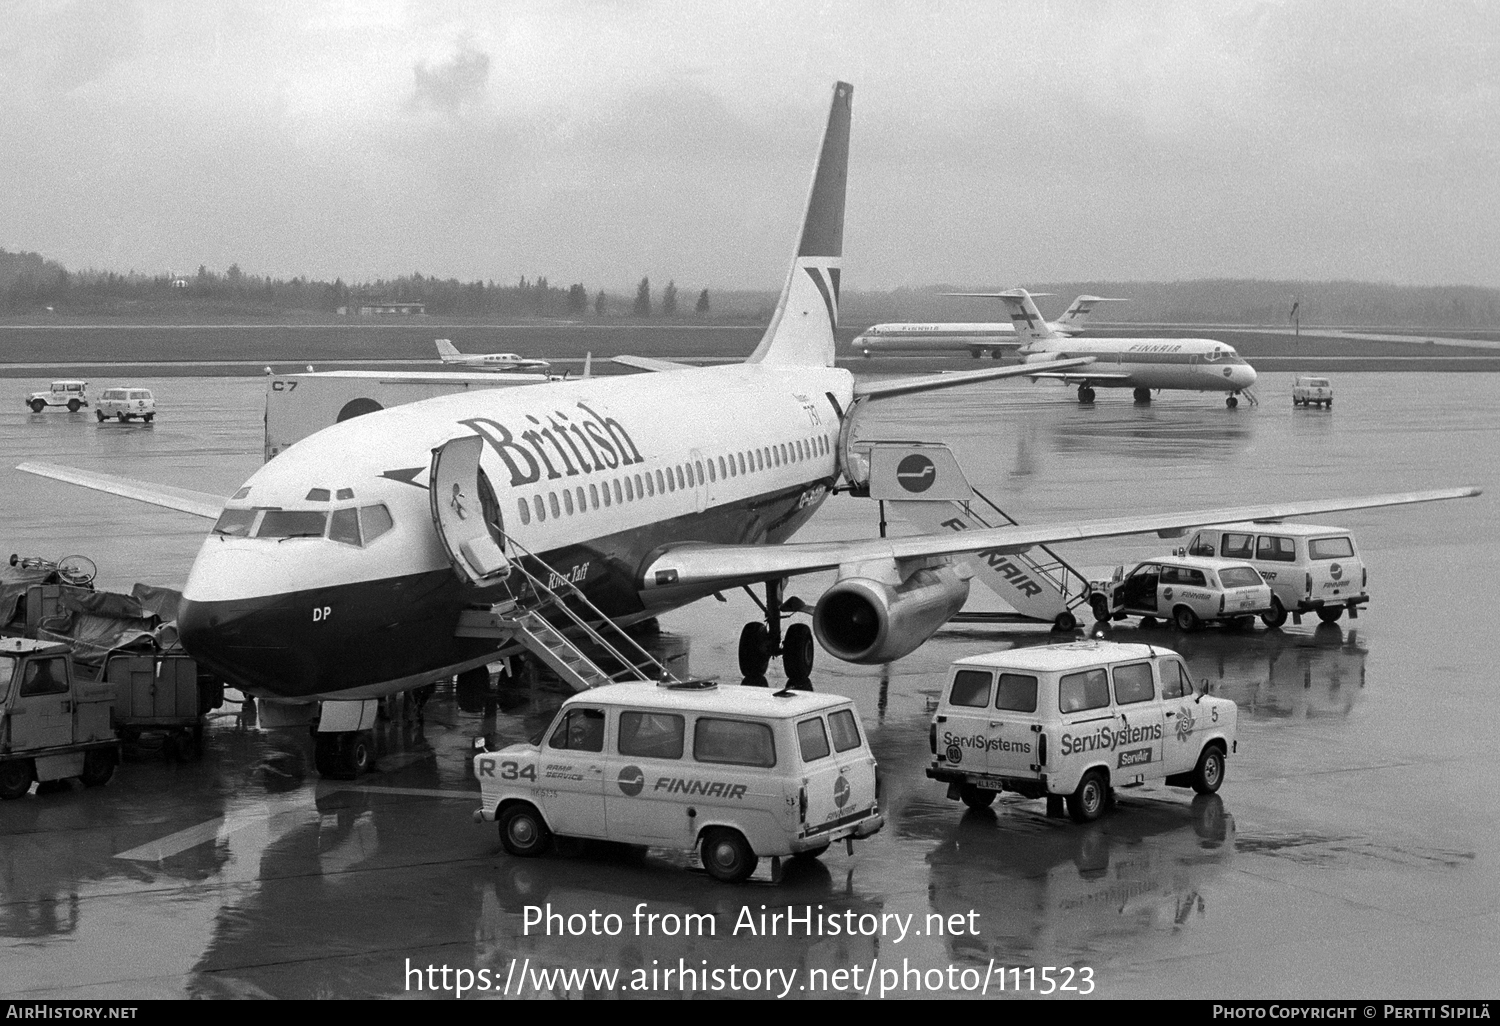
648	484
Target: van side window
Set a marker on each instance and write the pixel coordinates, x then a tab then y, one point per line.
812	739
1174	680
1280	550
1017	692
971	688
734	742
581	730
1238	546
845	730
1133	684
1088	689
647	735
1329	548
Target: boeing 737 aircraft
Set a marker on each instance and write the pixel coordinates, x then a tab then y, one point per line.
1142	364
487	361
350	567
977	339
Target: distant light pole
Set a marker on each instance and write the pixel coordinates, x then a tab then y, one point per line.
1296	317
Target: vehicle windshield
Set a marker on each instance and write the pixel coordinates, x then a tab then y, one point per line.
1240	577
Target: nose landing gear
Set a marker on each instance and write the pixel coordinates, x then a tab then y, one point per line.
1231	401
760	642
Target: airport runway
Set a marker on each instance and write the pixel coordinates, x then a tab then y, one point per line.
1351	853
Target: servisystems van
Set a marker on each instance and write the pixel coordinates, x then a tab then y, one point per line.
1310	568
1071	722
736	773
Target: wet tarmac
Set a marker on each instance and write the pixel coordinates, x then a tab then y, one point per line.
1352	851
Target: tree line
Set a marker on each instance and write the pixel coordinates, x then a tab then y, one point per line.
30	283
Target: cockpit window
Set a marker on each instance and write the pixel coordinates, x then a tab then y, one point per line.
374	521
293	523
343	526
235	523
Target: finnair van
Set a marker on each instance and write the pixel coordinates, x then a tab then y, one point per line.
736	773
1072	722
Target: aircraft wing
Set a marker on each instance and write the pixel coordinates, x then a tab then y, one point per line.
646	363
732	565
885	388
184	500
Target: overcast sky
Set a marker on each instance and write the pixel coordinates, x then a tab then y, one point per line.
999	143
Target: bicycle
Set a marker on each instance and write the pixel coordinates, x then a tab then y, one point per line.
78	571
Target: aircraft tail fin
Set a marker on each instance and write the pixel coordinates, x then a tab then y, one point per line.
801	331
1030	325
1073	318
448	351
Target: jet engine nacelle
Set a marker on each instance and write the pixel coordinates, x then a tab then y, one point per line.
877	614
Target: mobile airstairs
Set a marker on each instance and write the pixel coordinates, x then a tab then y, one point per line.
923	482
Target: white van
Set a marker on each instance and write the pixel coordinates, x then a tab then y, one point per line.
126	403
1071	722
736	773
1310	568
1310	391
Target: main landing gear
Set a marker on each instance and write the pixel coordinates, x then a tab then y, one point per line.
1085	394
1143	397
760	642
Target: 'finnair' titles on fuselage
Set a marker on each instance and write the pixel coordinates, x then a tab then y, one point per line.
592	476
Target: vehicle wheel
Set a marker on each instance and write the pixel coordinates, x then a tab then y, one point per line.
1100	606
1209	773
101	416
523	832
811	853
37	406
98	767
1147	622
1295	401
74	406
755	649
727	856
976	797
1277	616
1328	404
359	757
15	778
1185	619
1330	614
797	651
325	755
1065	622
122	418
1086	803
149	417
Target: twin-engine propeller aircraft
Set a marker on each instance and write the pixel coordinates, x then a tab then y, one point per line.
977	339
487	361
352	565
1142	364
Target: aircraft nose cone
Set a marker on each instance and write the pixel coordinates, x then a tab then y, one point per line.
1245	376
245	641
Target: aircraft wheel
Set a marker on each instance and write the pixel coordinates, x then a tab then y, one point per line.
755	649
797	651
1231	402
727	856
1277	616
15	778
1143	397
523	832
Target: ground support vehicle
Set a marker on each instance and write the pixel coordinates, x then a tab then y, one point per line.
53	724
1187	590
1071	722
125	404
159	701
71	394
1311	568
736	773
1311	391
